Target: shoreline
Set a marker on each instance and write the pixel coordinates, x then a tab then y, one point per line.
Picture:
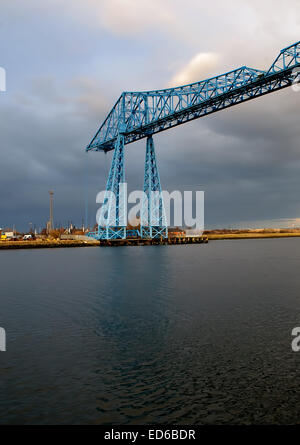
38	244
5	245
251	235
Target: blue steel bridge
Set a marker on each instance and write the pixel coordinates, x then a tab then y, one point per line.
138	115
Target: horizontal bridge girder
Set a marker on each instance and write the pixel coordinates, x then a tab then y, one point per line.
137	115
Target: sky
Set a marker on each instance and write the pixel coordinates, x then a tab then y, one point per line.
66	63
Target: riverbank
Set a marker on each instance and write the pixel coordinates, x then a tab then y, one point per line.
252	235
49	244
46	244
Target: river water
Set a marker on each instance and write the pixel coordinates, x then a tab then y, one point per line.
196	334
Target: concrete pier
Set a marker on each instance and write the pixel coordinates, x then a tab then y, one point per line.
49	244
155	241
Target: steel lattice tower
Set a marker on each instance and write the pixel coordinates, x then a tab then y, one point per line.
112	221
153	217
138	115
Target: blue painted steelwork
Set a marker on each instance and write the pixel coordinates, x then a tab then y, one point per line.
133	233
153	217
130	233
288	59
140	114
113	214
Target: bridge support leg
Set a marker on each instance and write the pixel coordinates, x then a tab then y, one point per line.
153	217
113	214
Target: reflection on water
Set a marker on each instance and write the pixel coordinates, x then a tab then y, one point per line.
164	334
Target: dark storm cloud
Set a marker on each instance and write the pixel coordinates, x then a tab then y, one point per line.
43	137
246	159
64	76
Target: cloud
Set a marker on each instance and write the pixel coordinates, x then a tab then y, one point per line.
55	122
129	17
201	65
74	68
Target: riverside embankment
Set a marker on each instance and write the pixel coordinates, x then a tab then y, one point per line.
48	244
253	235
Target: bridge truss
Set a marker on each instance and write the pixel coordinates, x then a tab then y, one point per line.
138	115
